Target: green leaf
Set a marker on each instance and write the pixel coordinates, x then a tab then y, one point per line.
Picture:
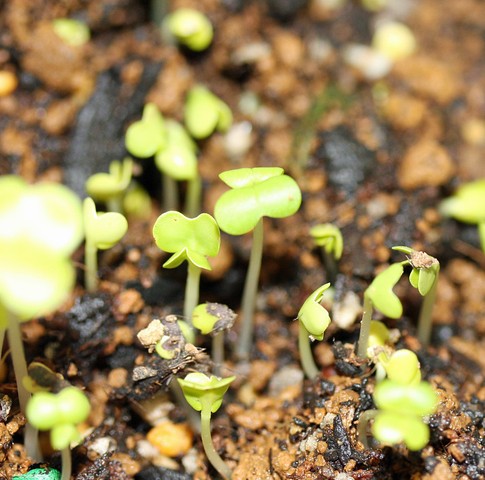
467	204
191	28
42	410
403	367
62	435
246	177
191	239
73	406
381	294
178	162
104	186
314	316
71	31
427	278
329	237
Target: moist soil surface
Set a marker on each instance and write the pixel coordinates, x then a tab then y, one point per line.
374	157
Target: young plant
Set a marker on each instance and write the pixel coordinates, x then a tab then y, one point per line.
329	238
190	28
103	231
313	321
190	239
214	318
256	193
111	187
60	413
204	113
205	395
468	205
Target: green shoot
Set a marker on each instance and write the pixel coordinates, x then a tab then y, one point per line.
205	395
103	231
314	320
329	238
256	192
190	28
73	32
188	239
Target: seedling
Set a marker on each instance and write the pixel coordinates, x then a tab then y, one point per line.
399	418
137	202
329	238
73	32
110	188
403	367
314	320
205	395
191	239
190	28
256	192
204	113
468	205
103	231
60	413
214	318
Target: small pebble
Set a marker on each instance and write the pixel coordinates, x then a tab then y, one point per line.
394	40
8	83
171	439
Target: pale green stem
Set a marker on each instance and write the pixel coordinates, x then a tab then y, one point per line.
66	463
365	327
191	415
425	320
363	427
213	457
250	290
170	193
218	352
191	291
192	197
330	266
158	10
91	272
115	204
306	357
17	353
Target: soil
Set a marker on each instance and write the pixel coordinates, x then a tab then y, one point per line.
373	157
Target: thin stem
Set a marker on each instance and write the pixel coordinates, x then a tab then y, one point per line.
91	272
365	327
213	457
306	357
192	197
330	266
191	291
170	193
250	290
66	463
218	352
425	320
17	353
363	426
115	204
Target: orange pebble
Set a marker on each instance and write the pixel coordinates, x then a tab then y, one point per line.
171	439
8	82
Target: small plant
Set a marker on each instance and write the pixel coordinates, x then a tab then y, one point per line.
71	31
103	231
110	188
256	193
190	28
213	318
313	321
468	205
60	413
205	395
190	239
204	113
329	238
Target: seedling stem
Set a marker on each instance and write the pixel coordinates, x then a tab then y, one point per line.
306	356
365	327
191	291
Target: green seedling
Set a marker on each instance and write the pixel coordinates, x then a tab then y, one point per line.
110	188
191	240
329	238
313	321
214	319
103	231
256	193
73	32
137	202
424	277
204	113
377	349
205	395
403	367
399	418
60	413
190	28
468	205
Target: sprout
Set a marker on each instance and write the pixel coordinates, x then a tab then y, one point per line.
329	238
205	395
103	231
403	367
188	239
110	188
468	205
214	318
73	32
190	28
60	413
204	112
314	320
256	192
